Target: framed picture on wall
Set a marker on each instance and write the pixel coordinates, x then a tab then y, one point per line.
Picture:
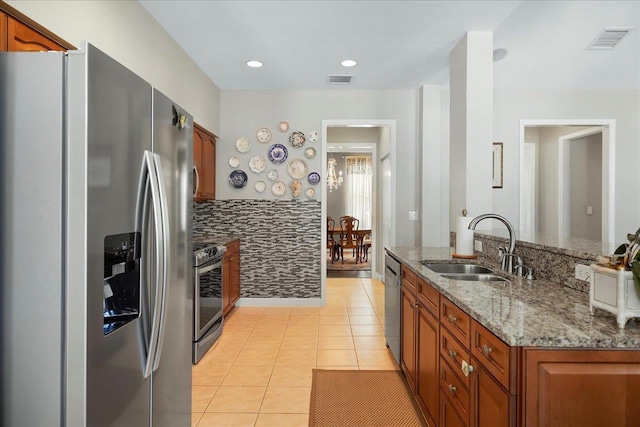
497	165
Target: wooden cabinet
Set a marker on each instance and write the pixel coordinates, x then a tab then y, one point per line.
230	276
420	356
204	163
18	33
427	390
463	375
408	335
571	388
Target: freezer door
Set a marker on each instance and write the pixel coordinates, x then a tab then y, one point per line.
118	126
172	143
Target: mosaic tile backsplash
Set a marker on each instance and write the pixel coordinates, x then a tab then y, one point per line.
280	243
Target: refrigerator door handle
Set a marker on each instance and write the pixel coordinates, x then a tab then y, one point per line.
197	176
148	179
164	202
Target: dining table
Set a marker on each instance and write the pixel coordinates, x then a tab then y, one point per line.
359	235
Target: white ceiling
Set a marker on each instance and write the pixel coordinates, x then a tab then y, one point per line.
401	44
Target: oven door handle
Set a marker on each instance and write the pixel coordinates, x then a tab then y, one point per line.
207	268
148	180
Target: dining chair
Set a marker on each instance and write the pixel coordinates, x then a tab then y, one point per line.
348	239
332	244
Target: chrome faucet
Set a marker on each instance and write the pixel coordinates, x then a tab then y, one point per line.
506	259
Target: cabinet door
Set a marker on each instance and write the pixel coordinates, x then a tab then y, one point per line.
427	370
209	166
409	337
585	388
3	31
491	405
197	164
21	38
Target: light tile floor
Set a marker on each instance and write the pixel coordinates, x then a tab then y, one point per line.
259	372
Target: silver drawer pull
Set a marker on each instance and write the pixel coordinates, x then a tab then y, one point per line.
452	388
415	305
452	318
453	354
486	349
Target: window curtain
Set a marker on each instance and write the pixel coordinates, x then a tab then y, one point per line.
359	183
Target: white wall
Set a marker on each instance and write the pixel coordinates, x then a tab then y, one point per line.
586	187
127	32
244	112
621	105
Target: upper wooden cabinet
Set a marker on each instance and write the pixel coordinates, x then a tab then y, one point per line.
204	163
18	33
21	38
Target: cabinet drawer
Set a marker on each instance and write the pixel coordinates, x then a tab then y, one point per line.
454	390
454	353
409	279
429	296
455	320
448	415
492	352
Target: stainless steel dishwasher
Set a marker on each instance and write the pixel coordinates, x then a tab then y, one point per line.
392	296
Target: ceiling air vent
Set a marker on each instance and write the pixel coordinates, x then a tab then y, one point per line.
342	79
608	38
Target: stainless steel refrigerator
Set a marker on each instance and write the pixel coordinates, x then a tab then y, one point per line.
95	248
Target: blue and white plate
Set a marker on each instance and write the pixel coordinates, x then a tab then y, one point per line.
313	178
238	178
278	153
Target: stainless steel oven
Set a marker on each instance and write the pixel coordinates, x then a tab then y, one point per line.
207	307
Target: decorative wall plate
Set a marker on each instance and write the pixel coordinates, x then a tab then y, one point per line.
297	139
260	186
297	168
310	192
243	145
234	162
313	136
278	153
310	153
238	178
278	188
283	126
263	135
257	164
313	178
272	175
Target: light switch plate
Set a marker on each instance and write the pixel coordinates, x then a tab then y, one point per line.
583	272
413	216
477	245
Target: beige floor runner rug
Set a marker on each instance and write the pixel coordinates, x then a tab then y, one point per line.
362	398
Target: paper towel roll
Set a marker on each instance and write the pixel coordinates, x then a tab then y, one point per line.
464	236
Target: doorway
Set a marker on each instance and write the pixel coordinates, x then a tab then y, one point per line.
567	177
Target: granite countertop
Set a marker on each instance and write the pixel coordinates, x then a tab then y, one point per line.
523	313
220	239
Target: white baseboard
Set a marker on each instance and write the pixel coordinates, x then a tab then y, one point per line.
280	302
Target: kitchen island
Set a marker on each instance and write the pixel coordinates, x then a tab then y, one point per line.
515	352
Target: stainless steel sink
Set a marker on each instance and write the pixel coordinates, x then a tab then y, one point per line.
475	277
449	268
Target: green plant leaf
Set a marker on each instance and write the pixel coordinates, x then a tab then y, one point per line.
635	268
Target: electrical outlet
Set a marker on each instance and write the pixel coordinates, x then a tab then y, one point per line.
583	272
477	245
413	216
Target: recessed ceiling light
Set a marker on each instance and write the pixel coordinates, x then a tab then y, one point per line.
254	64
348	63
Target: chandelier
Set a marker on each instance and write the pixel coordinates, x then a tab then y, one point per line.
333	181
